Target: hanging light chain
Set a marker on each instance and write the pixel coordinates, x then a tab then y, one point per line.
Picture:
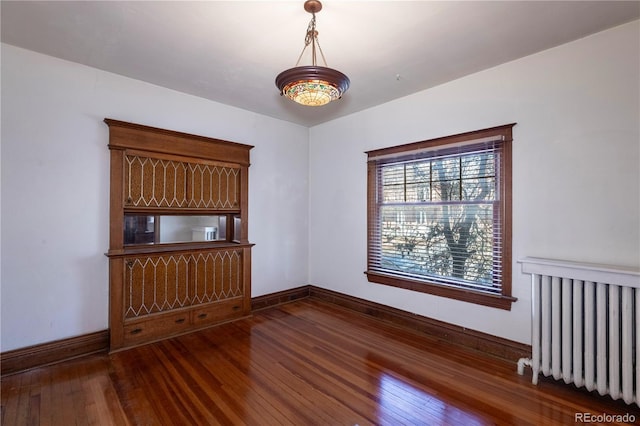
311	31
311	38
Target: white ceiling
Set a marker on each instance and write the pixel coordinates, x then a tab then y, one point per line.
231	51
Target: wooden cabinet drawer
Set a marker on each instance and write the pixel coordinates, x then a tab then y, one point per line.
217	312
155	327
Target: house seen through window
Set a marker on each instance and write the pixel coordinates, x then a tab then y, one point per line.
439	215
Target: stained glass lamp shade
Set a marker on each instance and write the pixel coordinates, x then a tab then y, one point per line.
312	85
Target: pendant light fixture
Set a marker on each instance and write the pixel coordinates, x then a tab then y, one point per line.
312	85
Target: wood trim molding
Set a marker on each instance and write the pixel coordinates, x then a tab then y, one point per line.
496	346
280	297
22	359
125	135
52	352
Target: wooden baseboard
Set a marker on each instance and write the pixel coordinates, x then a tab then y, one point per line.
497	346
61	350
278	298
52	352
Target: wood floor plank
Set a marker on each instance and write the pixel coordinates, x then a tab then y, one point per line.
307	362
236	385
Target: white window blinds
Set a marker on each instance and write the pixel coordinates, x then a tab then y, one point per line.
436	217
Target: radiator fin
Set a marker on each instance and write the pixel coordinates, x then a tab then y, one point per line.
585	326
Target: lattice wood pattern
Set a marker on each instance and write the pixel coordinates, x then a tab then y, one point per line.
160	283
214	187
216	275
153	182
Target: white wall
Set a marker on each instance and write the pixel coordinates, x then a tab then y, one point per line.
576	171
576	179
55	189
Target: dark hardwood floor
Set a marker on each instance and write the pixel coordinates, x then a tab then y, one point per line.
304	363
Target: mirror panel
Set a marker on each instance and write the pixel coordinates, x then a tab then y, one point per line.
164	229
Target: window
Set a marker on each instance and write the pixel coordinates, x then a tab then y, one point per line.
439	216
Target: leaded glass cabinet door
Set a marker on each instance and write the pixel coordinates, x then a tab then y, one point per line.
214	186
171	183
154	182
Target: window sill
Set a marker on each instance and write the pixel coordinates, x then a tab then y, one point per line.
470	296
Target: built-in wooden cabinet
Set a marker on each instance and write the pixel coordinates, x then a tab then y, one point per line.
179	257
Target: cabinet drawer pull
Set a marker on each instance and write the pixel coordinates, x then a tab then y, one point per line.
236	307
201	316
180	320
136	331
